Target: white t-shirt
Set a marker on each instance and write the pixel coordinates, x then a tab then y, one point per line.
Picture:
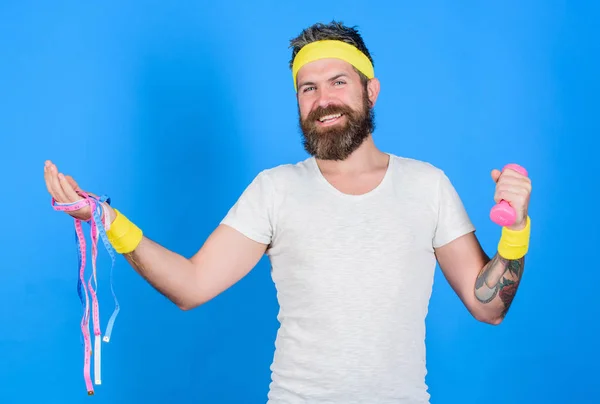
353	276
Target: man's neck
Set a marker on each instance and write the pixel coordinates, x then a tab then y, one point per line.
365	159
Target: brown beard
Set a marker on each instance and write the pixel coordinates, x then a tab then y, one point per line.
337	142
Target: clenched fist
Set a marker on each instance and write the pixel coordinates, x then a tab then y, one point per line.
514	188
64	189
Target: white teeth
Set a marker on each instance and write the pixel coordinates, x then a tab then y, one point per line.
328	117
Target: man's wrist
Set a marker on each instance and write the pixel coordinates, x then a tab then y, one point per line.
514	244
519	226
123	234
108	214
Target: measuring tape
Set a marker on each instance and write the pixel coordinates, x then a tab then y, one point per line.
99	224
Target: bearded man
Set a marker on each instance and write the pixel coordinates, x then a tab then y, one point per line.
353	235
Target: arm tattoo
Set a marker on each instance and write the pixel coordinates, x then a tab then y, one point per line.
499	277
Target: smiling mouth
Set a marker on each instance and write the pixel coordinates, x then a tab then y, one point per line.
328	119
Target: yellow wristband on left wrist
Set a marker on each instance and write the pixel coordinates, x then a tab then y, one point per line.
514	244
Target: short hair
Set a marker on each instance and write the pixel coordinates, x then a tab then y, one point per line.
332	31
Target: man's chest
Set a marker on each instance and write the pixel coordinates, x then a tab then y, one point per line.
347	247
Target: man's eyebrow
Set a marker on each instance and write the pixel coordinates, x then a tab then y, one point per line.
337	76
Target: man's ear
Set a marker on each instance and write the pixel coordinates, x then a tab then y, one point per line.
373	87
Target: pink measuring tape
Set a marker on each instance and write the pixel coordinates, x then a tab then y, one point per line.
98	226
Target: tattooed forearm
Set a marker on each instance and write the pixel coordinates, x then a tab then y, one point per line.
499	279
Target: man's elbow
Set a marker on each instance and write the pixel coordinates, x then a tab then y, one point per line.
189	304
186	307
193	298
493	321
486	318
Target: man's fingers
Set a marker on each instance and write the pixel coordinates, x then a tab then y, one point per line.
64	189
68	189
47	181
72	183
495	175
76	188
57	190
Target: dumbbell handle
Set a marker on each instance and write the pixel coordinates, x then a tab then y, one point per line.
502	213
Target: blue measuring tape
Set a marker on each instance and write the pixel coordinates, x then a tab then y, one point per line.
98	228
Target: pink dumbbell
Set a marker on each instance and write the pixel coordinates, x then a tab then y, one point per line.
502	213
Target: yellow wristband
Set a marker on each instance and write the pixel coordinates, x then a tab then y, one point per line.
123	234
514	244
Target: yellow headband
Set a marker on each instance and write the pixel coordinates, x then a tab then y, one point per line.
332	49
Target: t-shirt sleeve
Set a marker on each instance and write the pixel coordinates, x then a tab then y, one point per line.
452	220
252	215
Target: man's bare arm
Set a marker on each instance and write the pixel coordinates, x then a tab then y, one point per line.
497	284
486	286
225	258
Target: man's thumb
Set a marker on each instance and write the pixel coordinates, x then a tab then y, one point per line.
496	174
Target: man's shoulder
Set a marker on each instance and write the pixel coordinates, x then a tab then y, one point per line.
288	171
419	169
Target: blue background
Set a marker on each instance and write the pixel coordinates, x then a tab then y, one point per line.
156	104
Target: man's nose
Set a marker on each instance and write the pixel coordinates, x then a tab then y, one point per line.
325	97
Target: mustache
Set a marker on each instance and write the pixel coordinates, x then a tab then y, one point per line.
320	112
